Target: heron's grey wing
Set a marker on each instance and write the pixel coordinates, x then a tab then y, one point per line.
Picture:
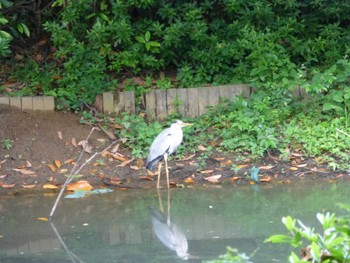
159	147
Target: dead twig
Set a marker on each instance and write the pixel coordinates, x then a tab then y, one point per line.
76	170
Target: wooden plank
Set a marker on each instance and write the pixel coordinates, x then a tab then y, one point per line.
192	96
213	96
108	102
49	103
5	102
161	104
119	103
15	102
129	99
183	103
172	101
203	100
225	92
241	89
27	103
150	98
38	103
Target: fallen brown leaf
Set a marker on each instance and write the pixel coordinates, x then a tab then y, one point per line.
125	163
98	164
8	185
293	168
235	178
74	142
213	178
242	166
52	167
87	148
116	126
186	158
69	161
24	171
62	171
134	167
150	173
302	165
228	162
207	171
219	158
267	167
115	148
29	165
116	156
59	133
43	219
58	163
28	186
297	154
265	179
79	185
146	178
3	176
189	180
50	186
201	148
93	171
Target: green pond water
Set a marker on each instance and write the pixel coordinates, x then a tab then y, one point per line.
121	227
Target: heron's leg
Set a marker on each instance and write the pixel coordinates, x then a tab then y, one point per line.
159	170
166	170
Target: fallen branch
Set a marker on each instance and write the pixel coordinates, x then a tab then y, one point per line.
75	171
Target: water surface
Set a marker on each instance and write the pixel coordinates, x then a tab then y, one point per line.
119	227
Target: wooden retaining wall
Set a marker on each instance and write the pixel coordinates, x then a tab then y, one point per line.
190	102
42	103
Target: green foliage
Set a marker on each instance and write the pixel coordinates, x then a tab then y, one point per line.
232	256
11	24
37	78
7	144
217	41
332	245
137	133
270	44
252	125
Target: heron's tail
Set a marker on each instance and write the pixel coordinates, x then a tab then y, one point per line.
150	165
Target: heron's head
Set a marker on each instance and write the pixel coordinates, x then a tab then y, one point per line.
180	124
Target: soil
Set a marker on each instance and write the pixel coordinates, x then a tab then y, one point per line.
45	146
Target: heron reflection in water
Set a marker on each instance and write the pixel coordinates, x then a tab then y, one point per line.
168	232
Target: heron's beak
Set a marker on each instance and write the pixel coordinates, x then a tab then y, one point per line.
186	124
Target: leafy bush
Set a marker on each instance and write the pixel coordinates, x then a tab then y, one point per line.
10	26
333	245
137	133
261	42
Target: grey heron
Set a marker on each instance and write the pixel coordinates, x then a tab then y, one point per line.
163	145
